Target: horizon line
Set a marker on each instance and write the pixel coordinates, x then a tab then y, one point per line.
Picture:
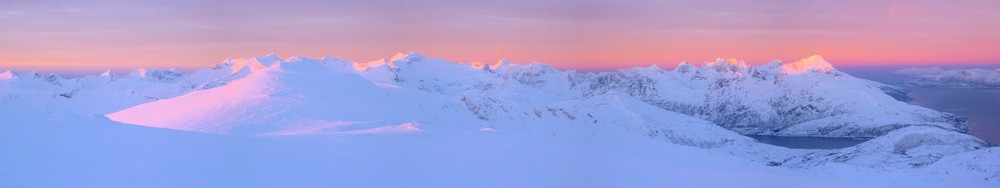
601	68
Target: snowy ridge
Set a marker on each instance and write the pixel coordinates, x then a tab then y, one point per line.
804	98
284	94
812	100
51	93
910	147
768	100
7	75
813	63
952	78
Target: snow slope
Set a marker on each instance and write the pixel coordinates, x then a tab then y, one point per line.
341	123
59	150
285	97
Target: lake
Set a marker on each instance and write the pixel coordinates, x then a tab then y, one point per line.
799	142
981	106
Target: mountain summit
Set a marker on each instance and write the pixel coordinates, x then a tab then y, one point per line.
813	63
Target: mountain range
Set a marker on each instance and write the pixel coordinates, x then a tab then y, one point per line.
708	107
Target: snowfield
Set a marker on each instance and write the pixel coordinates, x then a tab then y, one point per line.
414	121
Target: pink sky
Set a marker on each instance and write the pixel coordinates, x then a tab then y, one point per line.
566	34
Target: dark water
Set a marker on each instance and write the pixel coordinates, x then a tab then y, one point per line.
981	106
807	142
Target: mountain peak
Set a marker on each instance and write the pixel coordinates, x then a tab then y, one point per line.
726	65
814	63
483	65
7	75
502	62
650	69
254	64
409	57
268	59
138	73
540	66
684	67
376	63
107	73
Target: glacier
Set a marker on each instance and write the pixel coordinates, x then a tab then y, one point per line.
252	121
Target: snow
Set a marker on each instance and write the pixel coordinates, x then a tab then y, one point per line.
263	101
405	127
107	73
766	100
952	78
813	63
70	150
408	57
415	121
7	75
727	65
376	63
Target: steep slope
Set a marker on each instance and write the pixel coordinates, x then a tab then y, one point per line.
280	99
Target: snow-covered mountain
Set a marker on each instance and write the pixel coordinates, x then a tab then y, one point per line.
690	105
705	107
952	78
803	98
108	92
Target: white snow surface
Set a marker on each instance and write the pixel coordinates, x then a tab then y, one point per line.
413	121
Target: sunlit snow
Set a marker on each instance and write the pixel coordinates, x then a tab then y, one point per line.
415	121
